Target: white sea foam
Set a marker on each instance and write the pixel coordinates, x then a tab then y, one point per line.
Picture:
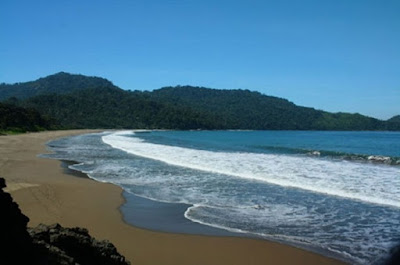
377	184
360	233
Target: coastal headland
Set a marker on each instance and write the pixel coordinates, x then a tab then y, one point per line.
46	194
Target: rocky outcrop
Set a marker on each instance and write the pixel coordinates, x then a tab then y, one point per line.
48	245
394	258
13	233
73	246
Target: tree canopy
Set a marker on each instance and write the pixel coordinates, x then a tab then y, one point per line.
77	101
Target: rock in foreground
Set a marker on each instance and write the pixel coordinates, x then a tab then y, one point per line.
73	246
48	245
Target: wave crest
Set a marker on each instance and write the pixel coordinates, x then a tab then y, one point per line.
378	184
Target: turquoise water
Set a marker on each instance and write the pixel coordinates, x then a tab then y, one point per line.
289	142
318	190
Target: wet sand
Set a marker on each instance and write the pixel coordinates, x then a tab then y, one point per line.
47	194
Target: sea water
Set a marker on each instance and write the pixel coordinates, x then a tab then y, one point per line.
337	193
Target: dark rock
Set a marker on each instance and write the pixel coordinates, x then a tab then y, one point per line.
2	183
13	233
77	244
48	244
394	258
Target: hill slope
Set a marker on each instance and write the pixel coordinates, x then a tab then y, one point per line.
17	119
394	119
60	83
244	109
116	108
78	101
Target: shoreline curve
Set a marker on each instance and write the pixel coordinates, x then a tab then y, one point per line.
53	196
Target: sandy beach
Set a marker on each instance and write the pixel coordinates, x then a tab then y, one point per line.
46	194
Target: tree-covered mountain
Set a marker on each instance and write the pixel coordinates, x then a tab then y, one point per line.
116	108
60	83
244	109
394	119
77	101
17	119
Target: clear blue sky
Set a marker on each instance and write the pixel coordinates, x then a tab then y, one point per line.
336	55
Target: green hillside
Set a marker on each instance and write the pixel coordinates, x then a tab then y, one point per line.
116	108
17	119
60	83
77	101
394	119
244	109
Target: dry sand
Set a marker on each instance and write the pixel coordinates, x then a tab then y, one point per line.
47	195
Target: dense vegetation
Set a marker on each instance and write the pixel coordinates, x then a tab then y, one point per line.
244	109
115	108
394	119
60	83
17	119
76	101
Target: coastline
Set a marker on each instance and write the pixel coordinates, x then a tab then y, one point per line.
47	194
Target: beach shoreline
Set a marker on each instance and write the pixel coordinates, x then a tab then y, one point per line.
47	194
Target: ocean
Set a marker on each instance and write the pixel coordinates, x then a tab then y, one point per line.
336	193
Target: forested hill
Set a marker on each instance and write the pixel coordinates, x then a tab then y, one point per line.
60	83
17	119
77	101
241	109
394	119
244	109
117	108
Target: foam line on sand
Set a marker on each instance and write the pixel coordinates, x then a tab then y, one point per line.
46	194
